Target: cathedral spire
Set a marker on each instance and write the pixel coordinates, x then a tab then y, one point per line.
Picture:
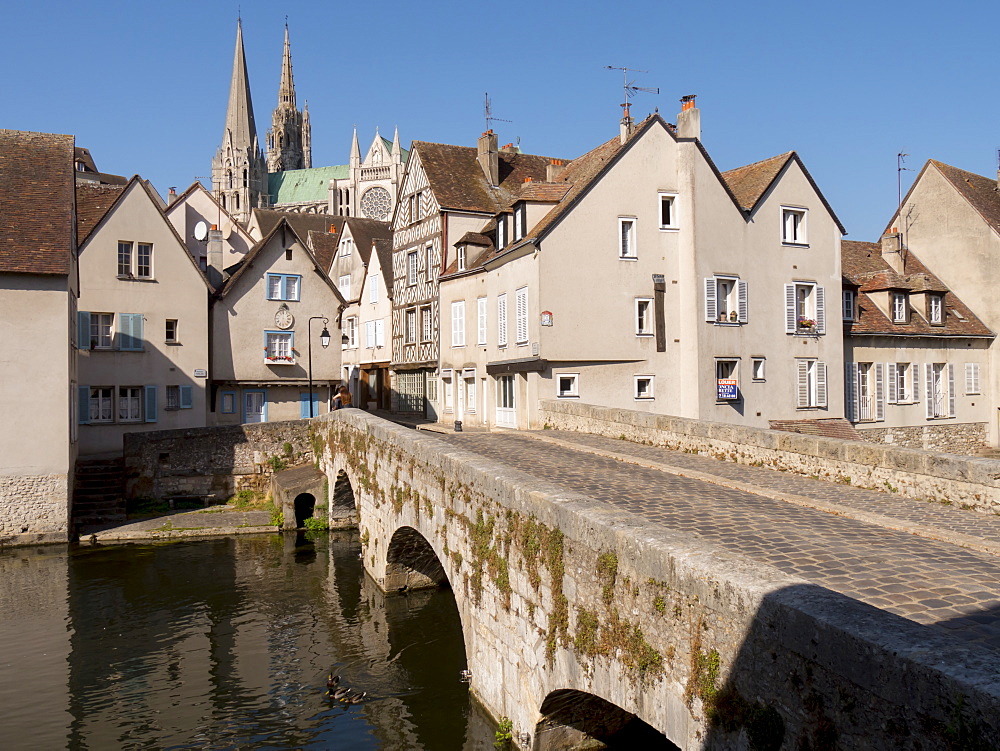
355	150
240	124
286	91
397	151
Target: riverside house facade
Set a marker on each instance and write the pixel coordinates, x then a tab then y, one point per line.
639	276
38	294
142	332
261	322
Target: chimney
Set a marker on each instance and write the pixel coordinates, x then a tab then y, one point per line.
333	229
508	148
553	169
215	257
689	118
892	249
627	123
488	157
171	196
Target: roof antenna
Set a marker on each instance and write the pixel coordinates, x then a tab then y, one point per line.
488	112
629	86
900	169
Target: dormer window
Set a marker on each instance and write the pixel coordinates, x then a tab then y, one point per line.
502	231
848	304
520	218
935	309
461	258
899	307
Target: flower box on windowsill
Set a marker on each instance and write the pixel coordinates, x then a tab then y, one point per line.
279	360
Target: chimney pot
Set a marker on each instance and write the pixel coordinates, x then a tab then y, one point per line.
527	179
689	118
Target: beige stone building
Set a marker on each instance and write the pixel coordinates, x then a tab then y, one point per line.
916	357
194	213
38	291
360	265
142	332
639	276
267	321
447	192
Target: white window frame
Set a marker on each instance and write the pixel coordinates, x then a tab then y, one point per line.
345	247
373	288
429	261
130	398
469	384
940	397
644	324
502	240
811	384
170	337
426	324
736	298
412	264
627	248
935	310
573	391
144	270
458	323
344	286
410	326
351	329
279	344
643	387
972	385
757	369
847	301
481	304
102	330
461	257
502	320
900	381
126	258
794	226
520	219
799	309
670	199
900	307
103	398
521	316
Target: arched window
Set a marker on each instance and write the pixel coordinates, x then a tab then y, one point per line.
223	197
229	179
245	181
236	201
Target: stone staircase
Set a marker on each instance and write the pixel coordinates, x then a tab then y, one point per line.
98	492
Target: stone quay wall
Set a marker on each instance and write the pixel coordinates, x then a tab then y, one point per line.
955	438
212	463
557	591
964	481
34	509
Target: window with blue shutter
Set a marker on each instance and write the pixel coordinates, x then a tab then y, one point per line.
150	394
83	329
187	397
130	332
83	404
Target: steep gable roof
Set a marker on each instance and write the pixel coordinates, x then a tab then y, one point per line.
268	219
458	182
36	195
981	192
365	232
93	202
865	268
383	250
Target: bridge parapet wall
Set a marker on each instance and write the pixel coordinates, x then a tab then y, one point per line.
964	481
557	591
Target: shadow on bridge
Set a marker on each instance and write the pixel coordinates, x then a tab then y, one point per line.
574	719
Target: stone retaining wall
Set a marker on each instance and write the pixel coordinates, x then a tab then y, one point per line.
212	463
955	438
34	509
964	481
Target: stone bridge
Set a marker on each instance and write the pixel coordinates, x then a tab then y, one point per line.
589	612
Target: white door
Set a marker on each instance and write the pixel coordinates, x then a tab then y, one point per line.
506	408
866	393
253	406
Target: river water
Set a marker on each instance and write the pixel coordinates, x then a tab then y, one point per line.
225	644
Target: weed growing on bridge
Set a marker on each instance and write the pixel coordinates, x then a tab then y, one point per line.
277	463
504	734
607	573
316	524
659	605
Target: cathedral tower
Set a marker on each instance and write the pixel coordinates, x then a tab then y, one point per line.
289	141
239	173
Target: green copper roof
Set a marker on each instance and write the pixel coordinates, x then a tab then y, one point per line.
299	185
404	153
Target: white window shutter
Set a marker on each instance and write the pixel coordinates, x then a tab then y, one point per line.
968	378
521	299
820	310
741	288
951	389
893	382
379	333
821	389
914	383
711	308
790	324
802	384
929	384
502	320
481	320
369	334
880	391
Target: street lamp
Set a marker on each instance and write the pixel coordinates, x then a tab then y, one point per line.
324	339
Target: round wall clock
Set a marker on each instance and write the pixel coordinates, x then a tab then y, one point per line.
284	319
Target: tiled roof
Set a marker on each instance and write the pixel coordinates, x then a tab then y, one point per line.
748	183
93	201
474	238
300	185
36	202
543	192
324	247
459	183
864	268
831	427
383	248
980	191
267	220
365	231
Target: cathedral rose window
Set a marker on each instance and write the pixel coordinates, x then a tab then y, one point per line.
376	203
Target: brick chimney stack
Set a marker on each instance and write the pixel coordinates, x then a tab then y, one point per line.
488	156
892	249
689	119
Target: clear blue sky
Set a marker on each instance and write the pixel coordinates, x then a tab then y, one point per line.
847	84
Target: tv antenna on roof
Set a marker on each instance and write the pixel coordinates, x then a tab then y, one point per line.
629	86
488	112
900	169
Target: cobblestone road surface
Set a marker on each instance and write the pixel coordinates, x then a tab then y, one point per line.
927	562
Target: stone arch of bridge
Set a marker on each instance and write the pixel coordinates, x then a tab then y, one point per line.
576	719
412	563
344	502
